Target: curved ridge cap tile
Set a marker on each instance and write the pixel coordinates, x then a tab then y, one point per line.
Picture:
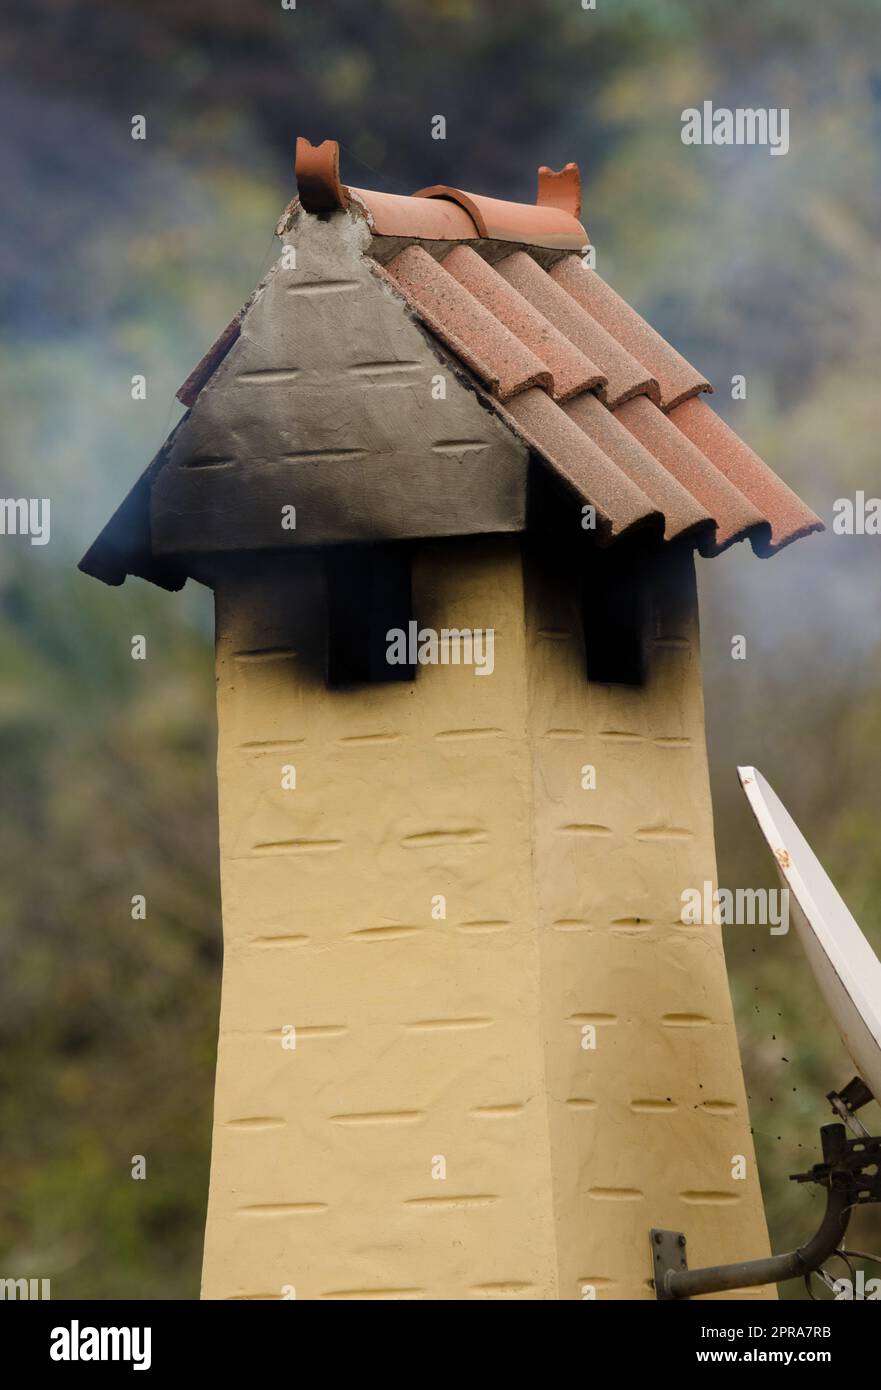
317	169
789	518
475	335
533	224
570	371
734	516
560	188
581	463
677	379
394	214
683	514
625	377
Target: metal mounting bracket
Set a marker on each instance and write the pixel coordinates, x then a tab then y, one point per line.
847	1101
850	1174
668	1254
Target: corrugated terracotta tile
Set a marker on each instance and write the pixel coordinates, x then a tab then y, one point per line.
676	378
625	377
534	225
474	334
681	511
570	370
733	514
573	455
787	515
428	219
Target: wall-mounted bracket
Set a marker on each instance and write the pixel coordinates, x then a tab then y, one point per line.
848	1101
668	1253
850	1173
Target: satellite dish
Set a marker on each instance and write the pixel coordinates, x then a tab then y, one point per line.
849	975
845	967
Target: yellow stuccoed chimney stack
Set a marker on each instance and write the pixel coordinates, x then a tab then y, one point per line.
447	488
467	1050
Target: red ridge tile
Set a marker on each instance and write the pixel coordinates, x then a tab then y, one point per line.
677	379
560	188
317	168
625	377
786	514
545	225
471	331
434	219
570	370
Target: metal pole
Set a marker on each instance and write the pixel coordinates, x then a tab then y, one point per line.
688	1283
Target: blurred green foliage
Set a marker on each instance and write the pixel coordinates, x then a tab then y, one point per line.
117	257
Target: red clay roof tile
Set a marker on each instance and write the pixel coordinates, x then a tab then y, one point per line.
474	334
734	515
570	370
620	504
546	225
786	514
551	222
676	378
560	188
428	219
625	377
318	176
518	326
681	511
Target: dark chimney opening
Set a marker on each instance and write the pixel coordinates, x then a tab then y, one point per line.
368	594
615	610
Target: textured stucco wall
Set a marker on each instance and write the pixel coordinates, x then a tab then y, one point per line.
645	1125
420	1039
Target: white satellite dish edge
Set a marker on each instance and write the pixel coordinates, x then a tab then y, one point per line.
849	976
844	965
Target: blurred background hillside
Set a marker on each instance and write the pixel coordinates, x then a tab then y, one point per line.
120	257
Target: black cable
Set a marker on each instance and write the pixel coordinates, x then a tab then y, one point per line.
860	1255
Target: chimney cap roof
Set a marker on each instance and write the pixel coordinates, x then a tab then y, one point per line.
552	222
